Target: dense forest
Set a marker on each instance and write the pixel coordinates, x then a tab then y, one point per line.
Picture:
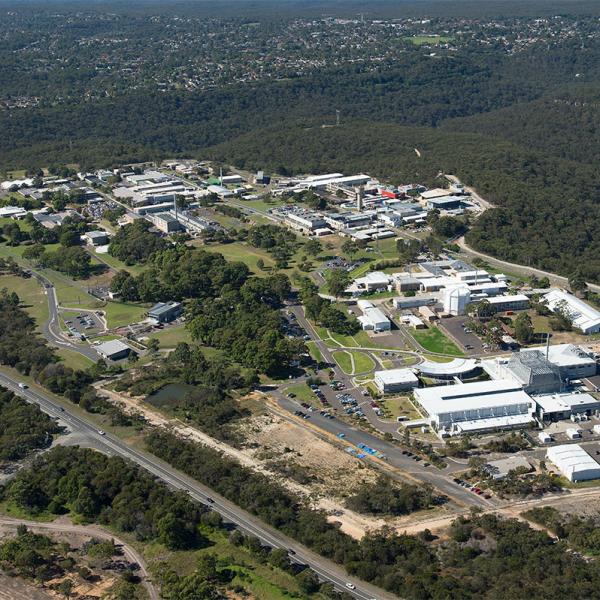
23	427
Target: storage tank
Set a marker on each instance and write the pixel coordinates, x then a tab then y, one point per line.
456	300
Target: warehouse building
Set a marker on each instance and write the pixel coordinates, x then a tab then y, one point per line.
395	380
573	462
473	407
113	350
584	317
96	238
372	318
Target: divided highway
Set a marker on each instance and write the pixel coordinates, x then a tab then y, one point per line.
327	570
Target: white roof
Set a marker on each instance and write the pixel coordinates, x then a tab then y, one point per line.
392	376
511	298
457	366
435	193
111	347
471	396
565	355
562	402
374	277
573	461
374	316
583	315
492	423
9	211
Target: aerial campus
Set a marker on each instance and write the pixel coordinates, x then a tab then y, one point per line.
316	359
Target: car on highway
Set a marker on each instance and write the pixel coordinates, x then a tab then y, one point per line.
101	432
350	586
210	500
23	386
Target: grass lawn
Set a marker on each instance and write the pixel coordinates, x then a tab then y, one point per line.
344	340
119	314
364	340
315	352
438	359
238	251
303	393
420	40
344	360
115	262
363	362
74	359
400	406
31	293
171	336
434	340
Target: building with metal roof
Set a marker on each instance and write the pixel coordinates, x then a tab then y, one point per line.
582	315
573	462
473	407
534	372
165	312
113	350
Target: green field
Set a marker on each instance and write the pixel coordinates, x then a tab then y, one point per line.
303	393
115	263
434	340
342	358
119	314
31	293
171	336
241	252
420	40
363	362
400	406
315	352
74	359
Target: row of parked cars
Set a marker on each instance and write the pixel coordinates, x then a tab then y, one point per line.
473	488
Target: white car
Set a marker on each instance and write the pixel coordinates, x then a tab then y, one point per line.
101	432
350	586
23	386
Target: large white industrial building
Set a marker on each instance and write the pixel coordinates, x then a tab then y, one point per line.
584	317
573	462
473	407
456	300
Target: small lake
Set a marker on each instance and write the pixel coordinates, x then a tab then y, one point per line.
169	395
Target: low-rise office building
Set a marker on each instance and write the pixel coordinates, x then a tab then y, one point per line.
96	238
512	302
557	407
165	312
165	222
395	380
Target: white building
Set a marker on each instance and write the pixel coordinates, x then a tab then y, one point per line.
456	300
573	462
395	380
472	407
372	282
372	317
573	433
513	302
584	317
562	406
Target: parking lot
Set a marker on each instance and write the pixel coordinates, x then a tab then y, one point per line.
81	323
467	340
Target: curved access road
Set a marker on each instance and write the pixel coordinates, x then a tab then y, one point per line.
326	570
130	553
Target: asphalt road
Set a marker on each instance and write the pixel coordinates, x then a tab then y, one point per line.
51	328
327	570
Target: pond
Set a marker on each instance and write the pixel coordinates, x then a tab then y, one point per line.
169	395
